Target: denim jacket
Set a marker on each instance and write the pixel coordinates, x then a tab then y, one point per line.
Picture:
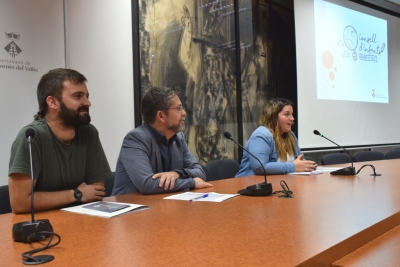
262	145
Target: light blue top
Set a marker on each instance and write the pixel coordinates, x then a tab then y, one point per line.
262	145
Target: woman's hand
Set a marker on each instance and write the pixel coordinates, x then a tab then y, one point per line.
304	165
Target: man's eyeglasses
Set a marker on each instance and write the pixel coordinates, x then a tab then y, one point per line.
180	108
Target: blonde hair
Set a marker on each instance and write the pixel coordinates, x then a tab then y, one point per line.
285	143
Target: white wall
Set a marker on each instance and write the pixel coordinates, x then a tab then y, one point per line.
98	44
100	47
40	26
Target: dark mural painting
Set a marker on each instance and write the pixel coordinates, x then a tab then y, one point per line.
191	44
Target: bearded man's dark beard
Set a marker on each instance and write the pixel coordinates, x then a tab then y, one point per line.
72	118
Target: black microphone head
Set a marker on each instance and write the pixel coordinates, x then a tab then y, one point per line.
227	135
316	132
30	133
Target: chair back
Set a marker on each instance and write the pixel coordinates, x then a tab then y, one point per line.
208	173
5	206
222	169
368	156
335	158
109	185
393	154
309	158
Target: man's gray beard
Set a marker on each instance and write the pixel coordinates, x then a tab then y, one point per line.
176	128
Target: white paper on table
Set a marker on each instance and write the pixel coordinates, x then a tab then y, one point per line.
317	171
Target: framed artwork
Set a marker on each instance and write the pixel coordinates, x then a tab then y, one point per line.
192	44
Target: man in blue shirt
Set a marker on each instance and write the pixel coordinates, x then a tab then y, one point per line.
154	157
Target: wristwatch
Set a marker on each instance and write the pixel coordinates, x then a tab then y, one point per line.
78	195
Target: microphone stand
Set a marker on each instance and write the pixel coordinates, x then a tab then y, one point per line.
257	190
344	171
31	231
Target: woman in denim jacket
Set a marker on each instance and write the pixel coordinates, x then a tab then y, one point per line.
274	143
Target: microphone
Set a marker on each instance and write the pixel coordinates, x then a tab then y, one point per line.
34	230
257	190
345	171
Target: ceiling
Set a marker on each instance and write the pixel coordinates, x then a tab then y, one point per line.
397	2
389	6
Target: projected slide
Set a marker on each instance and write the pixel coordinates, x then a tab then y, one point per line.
351	54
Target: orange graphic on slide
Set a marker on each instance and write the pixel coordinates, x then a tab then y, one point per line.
327	61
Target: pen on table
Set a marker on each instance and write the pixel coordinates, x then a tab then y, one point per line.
203	196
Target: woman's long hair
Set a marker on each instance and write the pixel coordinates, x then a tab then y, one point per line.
285	143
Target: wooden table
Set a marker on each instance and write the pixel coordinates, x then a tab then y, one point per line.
382	251
328	218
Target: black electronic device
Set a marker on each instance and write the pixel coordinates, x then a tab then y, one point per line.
345	171
30	231
257	190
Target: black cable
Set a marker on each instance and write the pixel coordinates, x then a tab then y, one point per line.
373	168
286	191
28	255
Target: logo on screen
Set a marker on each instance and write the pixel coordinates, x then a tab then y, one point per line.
373	93
12	48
